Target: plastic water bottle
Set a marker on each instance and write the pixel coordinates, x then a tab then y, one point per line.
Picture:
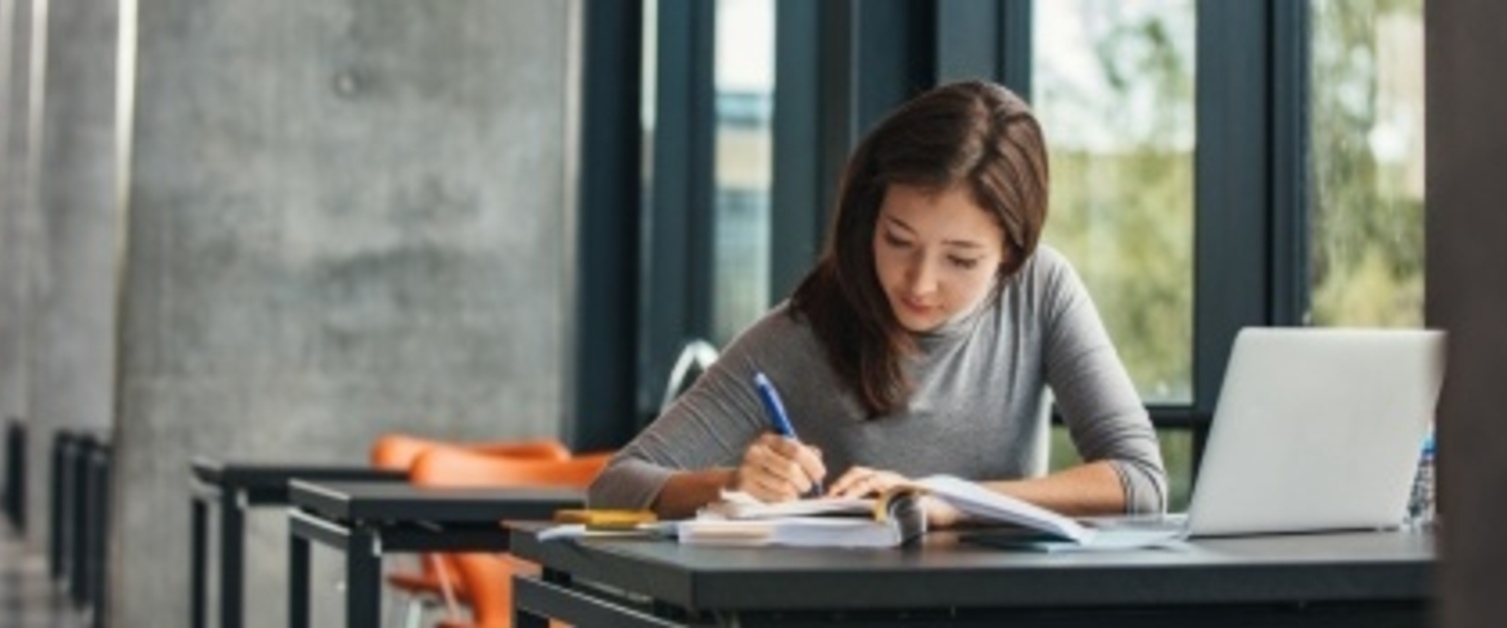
1421	502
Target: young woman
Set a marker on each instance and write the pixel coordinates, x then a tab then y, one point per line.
921	343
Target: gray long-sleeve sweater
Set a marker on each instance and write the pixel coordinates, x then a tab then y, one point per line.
976	410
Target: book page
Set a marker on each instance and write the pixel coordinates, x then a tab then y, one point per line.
978	501
991	506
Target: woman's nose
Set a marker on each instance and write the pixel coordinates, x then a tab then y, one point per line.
921	278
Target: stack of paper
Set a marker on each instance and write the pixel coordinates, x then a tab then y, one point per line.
740	505
792	531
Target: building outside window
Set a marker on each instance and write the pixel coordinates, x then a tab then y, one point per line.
744	97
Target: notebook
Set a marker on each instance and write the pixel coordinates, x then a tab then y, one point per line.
1315	430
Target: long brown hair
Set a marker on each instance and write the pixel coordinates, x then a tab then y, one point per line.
974	134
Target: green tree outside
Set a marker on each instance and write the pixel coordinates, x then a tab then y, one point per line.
1122	209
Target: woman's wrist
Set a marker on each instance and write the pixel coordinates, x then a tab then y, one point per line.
687	491
940	514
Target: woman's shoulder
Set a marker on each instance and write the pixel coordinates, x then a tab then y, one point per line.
1048	271
1047	261
1045	286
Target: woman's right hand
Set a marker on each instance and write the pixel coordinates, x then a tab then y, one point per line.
777	469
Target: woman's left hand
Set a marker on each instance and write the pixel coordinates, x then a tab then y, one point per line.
864	482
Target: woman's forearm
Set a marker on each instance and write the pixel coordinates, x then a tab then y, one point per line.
1089	489
687	491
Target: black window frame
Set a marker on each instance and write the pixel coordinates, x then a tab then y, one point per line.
678	224
604	291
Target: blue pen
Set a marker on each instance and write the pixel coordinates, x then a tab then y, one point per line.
776	411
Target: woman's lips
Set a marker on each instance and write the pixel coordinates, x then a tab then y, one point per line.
915	307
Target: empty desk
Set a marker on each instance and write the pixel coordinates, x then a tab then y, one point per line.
236	486
368	520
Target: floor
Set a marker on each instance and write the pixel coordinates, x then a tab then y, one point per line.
28	597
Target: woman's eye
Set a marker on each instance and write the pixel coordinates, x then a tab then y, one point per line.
895	241
963	262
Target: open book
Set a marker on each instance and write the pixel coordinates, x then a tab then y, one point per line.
890	520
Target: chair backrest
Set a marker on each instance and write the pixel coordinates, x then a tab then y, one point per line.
398	451
695	358
453	466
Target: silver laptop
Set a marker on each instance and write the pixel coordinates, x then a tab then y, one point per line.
1316	429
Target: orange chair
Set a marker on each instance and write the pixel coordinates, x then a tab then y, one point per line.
487	576
398	451
435	578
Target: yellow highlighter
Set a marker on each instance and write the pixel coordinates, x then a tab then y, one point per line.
602	518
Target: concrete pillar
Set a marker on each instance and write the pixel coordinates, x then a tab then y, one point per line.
74	258
15	193
344	217
7	39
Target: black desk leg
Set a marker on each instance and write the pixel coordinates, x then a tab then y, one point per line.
298	581
198	571
363	573
523	618
526	619
232	549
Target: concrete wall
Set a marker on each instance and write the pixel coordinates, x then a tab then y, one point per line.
15	199
1467	295
74	258
7	40
344	217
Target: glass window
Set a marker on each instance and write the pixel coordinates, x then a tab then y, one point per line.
744	101
1113	85
1177	455
648	91
1366	163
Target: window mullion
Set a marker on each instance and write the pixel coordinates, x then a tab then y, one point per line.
677	232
